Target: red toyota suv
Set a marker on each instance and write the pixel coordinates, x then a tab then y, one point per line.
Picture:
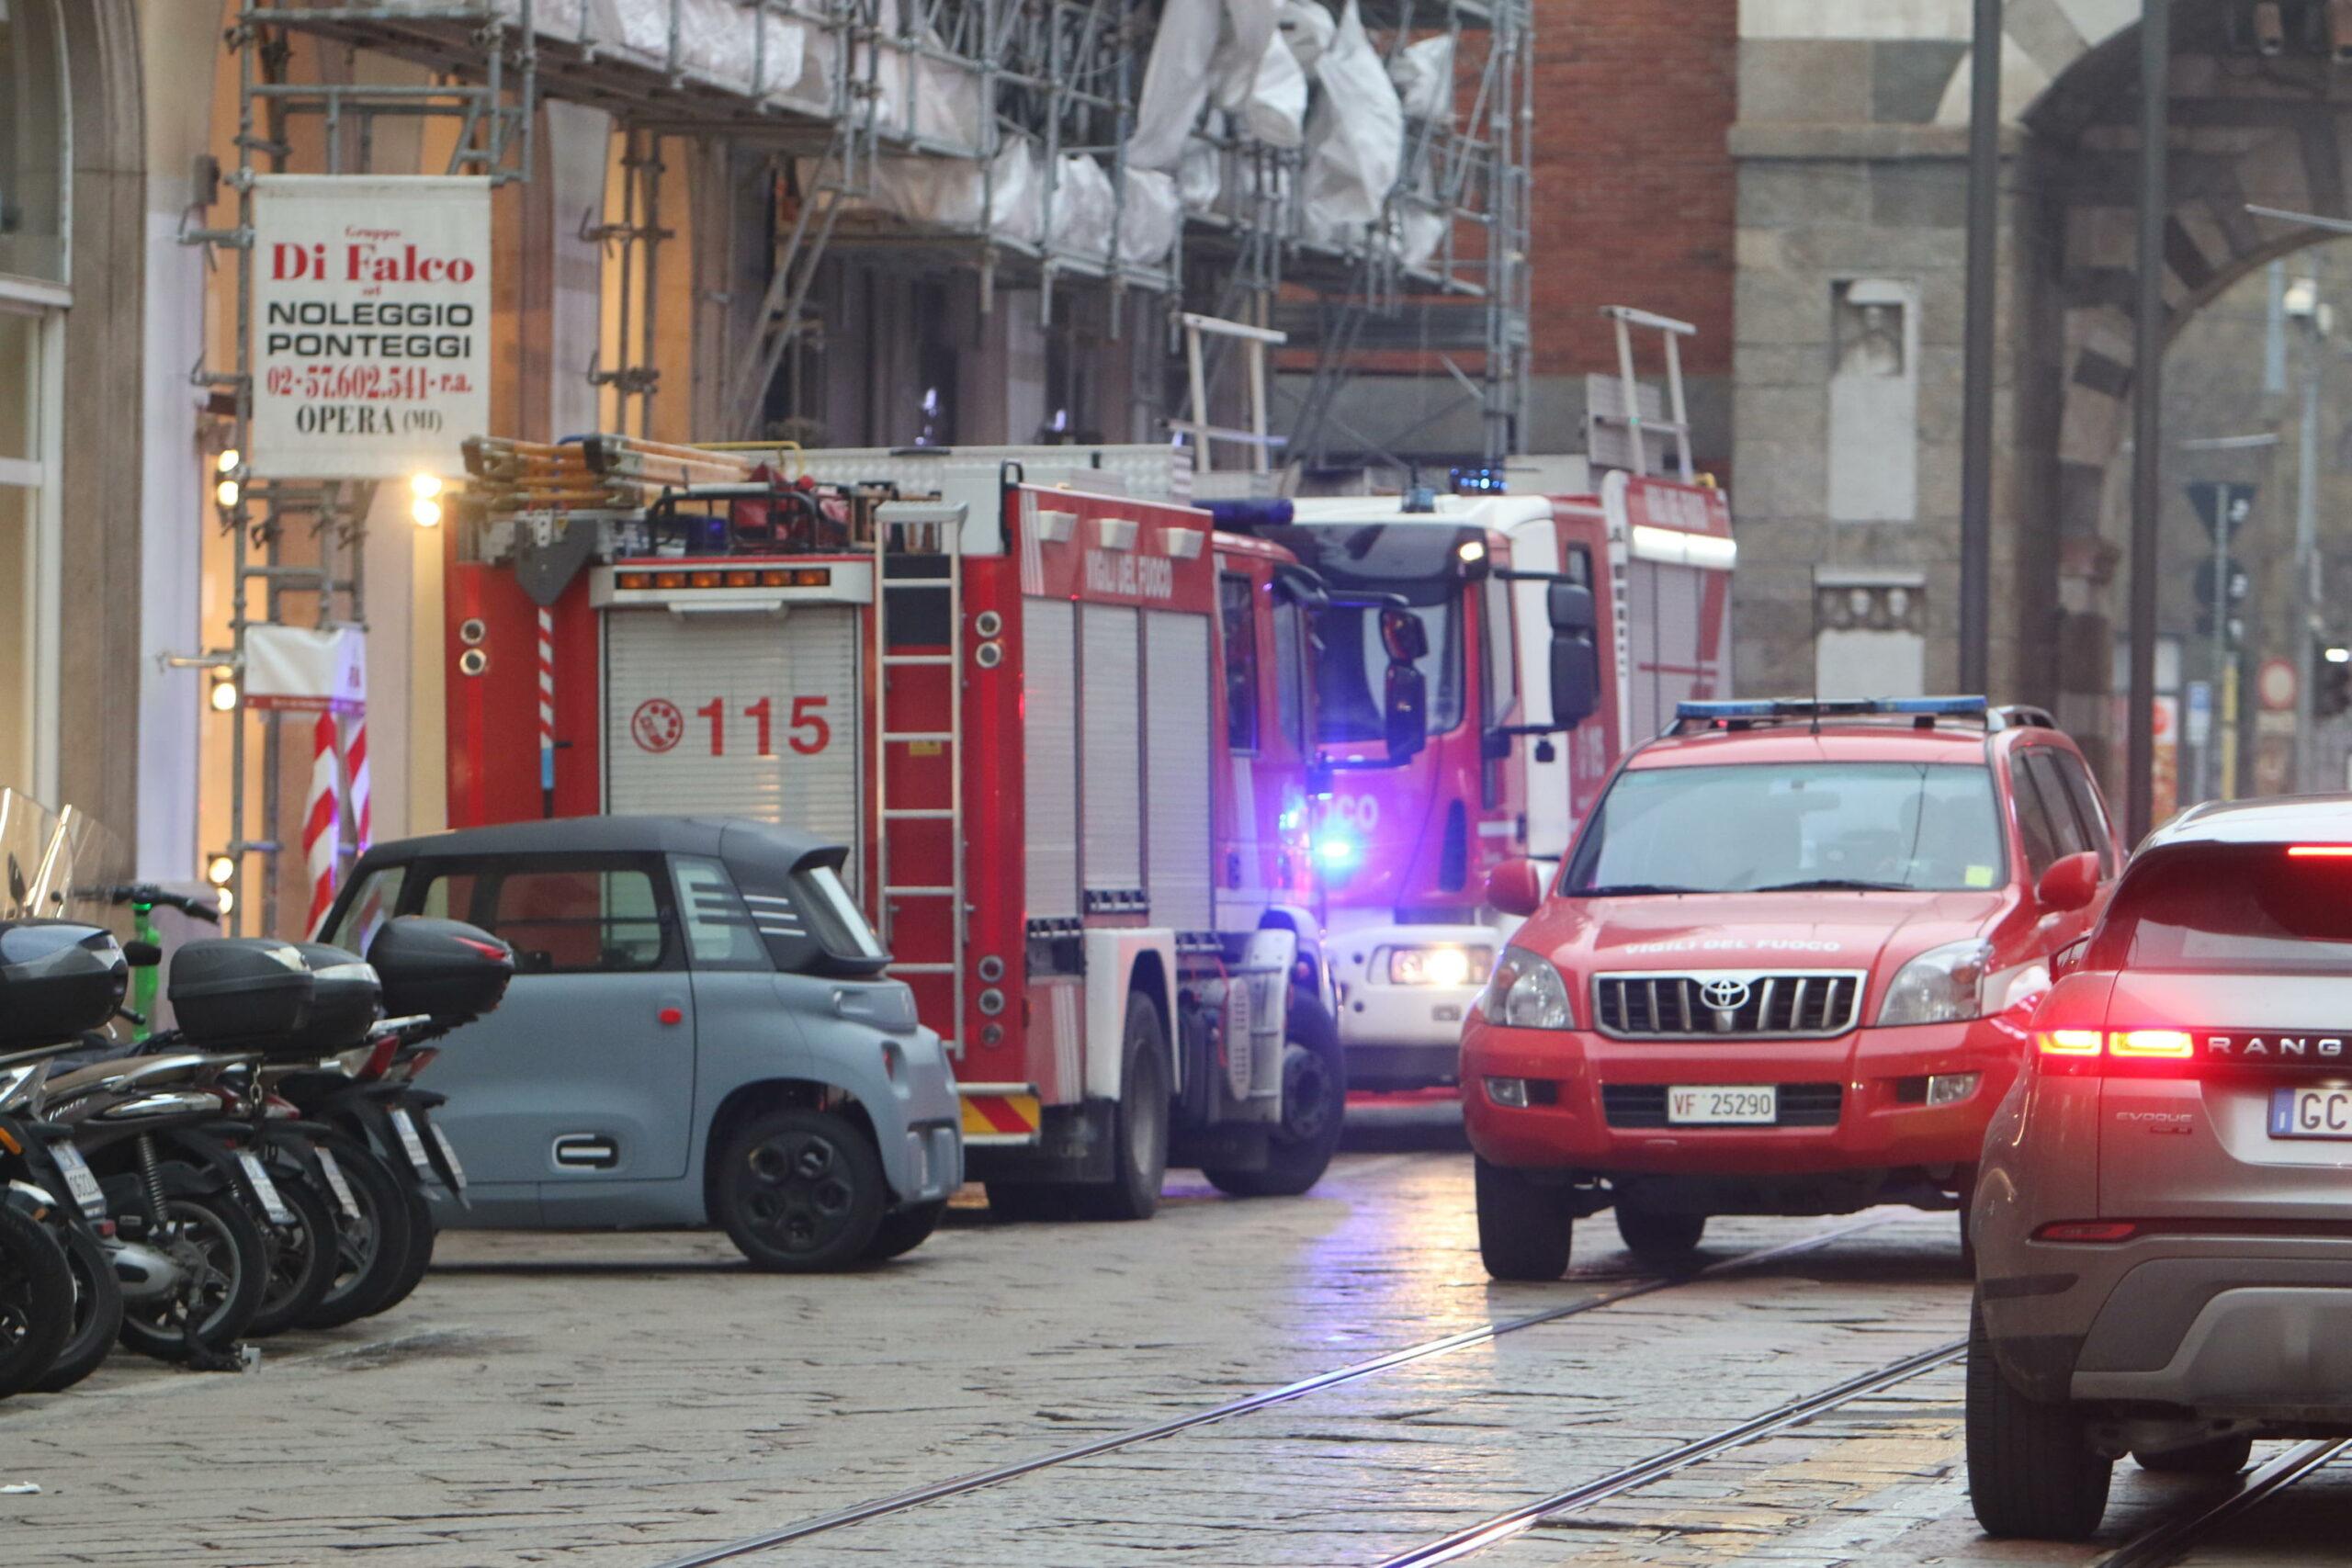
1787	968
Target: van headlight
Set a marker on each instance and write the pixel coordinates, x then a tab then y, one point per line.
1526	992
1943	985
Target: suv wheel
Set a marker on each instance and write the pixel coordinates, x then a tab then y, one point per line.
1661	1240
2215	1456
2030	1467
1523	1229
800	1191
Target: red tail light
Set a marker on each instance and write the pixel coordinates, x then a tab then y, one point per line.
2082	1050
2095	1231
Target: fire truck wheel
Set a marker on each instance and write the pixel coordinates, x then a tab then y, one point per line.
1523	1229
1140	1138
801	1190
1314	1102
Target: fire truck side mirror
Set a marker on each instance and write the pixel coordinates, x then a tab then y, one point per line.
1406	705
1403	636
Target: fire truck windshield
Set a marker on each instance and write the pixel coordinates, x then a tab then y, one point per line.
1414	562
1750	827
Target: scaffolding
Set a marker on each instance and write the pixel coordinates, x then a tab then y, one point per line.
988	136
993	135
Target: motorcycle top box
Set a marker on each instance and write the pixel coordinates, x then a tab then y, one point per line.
443	969
345	1001
241	991
57	979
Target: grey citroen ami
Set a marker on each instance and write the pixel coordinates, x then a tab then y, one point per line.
699	1031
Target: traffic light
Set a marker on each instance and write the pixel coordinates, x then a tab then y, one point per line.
2332	677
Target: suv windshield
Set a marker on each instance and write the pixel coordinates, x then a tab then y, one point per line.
1747	828
2230	907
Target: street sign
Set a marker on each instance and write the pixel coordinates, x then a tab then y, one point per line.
2236	633
2240	582
2222	503
2275	686
2201	712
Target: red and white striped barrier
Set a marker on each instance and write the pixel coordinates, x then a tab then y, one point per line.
322	817
546	711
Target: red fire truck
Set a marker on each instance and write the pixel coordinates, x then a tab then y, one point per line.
1404	846
1068	732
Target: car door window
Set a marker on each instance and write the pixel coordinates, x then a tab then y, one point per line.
1240	628
2076	780
374	898
562	915
711	912
2066	828
2034	826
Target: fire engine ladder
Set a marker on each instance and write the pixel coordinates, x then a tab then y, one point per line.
907	533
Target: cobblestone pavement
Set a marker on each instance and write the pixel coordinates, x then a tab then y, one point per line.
620	1399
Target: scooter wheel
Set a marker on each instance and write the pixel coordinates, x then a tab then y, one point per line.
97	1313
36	1300
224	1258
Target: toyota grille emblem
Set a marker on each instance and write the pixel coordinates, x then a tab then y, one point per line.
1723	994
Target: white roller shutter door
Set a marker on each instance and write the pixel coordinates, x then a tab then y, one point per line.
1110	731
1049	756
662	671
1178	751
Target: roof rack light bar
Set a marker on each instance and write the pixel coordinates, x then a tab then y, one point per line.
1829	707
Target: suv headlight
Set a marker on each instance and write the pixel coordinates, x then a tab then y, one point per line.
1943	985
1526	992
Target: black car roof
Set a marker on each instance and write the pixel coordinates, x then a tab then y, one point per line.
733	838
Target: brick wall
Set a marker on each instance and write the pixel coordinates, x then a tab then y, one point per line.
1632	184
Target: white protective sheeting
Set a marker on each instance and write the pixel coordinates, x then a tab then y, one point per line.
1306	28
1355	140
1200	175
950	193
1149	218
1423	76
1276	112
1084	207
719	42
1205	52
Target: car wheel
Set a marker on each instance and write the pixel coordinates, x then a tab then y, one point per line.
904	1230
97	1312
800	1191
1315	1104
1660	1240
2031	1471
1524	1229
1140	1137
2216	1456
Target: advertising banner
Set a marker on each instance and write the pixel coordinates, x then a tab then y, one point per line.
370	324
298	669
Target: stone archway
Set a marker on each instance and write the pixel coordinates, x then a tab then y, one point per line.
1851	145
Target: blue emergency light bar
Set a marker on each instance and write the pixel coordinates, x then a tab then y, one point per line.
1835	708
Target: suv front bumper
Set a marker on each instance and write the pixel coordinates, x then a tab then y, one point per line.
1879	1076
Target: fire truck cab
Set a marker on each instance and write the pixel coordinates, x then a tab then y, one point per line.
1510	760
1066	729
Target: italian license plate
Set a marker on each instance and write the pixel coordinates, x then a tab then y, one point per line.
405	1126
2316	1112
79	1179
272	1202
449	1153
1723	1105
342	1187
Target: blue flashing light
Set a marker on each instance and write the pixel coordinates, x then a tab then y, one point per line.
1336	850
